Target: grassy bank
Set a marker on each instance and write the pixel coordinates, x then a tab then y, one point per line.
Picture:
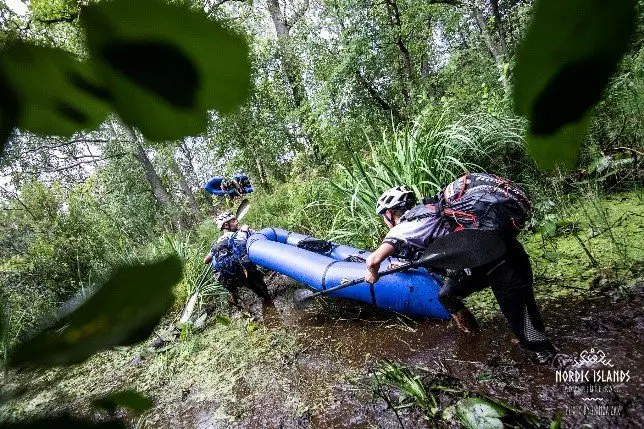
231	367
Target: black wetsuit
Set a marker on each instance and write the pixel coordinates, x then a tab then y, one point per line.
254	282
511	281
510	277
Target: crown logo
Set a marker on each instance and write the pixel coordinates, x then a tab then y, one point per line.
592	357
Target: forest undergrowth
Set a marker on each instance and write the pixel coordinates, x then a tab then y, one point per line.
594	249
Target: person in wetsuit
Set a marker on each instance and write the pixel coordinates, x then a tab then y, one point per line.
240	271
413	227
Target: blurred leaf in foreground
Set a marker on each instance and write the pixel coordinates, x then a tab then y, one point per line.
49	91
166	65
123	311
126	398
566	60
8	111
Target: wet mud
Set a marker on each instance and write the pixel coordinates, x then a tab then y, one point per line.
342	337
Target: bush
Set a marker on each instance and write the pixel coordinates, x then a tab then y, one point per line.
425	156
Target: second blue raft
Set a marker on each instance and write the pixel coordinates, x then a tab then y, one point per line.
213	186
413	292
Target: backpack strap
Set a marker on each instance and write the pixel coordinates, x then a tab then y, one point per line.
464	179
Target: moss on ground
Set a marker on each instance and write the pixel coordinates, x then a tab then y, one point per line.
208	366
610	230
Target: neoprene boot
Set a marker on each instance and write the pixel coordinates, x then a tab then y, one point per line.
553	359
466	321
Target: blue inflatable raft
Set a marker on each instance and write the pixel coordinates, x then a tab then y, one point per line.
413	292
213	186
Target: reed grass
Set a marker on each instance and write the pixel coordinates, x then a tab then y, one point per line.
425	156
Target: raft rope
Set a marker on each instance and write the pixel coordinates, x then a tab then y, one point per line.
326	270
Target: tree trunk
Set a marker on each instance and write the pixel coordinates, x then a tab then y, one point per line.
500	28
407	70
261	171
159	191
496	51
185	187
192	173
425	66
194	176
377	97
288	60
292	70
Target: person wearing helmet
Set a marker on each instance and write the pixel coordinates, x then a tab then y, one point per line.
413	227
229	258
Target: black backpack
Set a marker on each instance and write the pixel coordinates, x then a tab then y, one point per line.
485	201
230	258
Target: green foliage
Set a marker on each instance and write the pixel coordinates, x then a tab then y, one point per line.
156	69
397	83
122	312
486	413
472	412
55	93
618	121
54	10
564	64
198	282
478	413
402	378
53	244
426	156
299	205
129	399
165	71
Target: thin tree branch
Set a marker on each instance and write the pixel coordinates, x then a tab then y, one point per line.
380	101
63	144
15	196
297	15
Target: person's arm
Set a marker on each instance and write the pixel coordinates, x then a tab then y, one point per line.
373	261
208	258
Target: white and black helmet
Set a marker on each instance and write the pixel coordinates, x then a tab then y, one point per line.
224	217
399	197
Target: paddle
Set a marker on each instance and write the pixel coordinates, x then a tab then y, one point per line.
242	209
469	248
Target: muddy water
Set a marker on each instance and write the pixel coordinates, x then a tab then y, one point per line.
339	336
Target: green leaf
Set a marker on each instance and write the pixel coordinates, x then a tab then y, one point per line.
8	111
556	423
252	327
566	60
130	399
224	320
123	311
166	65
54	10
479	413
560	148
53	93
549	229
62	422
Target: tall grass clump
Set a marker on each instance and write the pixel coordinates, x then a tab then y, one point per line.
425	156
304	206
198	280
